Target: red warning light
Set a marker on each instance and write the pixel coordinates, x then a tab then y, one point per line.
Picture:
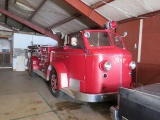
111	25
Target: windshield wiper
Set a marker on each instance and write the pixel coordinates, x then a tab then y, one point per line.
93	42
83	47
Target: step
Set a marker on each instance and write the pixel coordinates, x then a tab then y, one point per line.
40	73
69	91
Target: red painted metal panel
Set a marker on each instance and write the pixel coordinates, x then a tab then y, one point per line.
87	11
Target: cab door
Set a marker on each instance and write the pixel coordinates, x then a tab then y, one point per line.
76	64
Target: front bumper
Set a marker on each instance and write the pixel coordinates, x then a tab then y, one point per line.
114	113
95	97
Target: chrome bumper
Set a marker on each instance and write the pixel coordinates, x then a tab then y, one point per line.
114	113
95	97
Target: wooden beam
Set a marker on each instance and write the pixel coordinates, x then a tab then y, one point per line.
100	3
64	21
31	25
87	11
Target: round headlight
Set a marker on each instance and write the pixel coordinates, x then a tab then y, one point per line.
107	66
132	65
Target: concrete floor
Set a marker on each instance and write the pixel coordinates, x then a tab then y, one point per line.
26	98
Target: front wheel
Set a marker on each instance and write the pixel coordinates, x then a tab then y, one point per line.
54	84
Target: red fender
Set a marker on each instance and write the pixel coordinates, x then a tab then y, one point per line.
34	61
61	73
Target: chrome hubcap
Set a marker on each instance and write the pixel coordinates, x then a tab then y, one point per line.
54	83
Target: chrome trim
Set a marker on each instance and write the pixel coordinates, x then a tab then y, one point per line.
74	84
95	97
114	111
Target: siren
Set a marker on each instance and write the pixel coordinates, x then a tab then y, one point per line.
111	25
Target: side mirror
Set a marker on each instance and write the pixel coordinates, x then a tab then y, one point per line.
74	41
124	34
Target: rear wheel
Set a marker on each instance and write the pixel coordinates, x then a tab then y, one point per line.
30	70
54	84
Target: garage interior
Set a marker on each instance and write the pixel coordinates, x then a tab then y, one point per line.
27	22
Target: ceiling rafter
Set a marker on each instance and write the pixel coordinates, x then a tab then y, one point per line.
6	26
65	21
87	11
35	12
100	3
6	31
31	25
38	8
6	8
141	16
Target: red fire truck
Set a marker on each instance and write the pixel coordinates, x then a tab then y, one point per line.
90	67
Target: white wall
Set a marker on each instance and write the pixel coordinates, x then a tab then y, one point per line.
22	41
4	44
25	40
41	40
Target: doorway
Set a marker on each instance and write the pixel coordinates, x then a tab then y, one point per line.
5	53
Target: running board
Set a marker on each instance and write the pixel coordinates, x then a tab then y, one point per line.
90	97
40	73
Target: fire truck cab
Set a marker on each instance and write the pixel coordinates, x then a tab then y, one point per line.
90	67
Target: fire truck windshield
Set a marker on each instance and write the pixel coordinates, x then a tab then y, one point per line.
102	39
99	39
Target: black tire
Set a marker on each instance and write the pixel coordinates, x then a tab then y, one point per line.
54	84
30	71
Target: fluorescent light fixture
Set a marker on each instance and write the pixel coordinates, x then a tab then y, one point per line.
23	6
